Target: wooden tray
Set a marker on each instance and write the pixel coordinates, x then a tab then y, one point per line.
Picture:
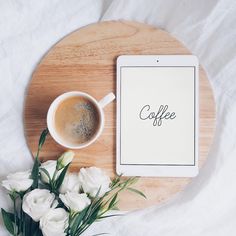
85	60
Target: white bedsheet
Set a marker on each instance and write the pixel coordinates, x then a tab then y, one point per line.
207	27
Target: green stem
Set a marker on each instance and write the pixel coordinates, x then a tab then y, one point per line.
82	230
23	223
22	220
15	212
54	175
53	181
37	154
71	218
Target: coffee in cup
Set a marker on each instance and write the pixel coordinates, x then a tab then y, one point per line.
76	119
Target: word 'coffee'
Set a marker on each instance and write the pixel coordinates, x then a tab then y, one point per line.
157	117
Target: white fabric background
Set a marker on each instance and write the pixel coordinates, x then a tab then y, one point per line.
208	28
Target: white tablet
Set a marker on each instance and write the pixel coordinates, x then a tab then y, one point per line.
157	115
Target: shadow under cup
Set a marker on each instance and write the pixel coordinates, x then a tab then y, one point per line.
75	120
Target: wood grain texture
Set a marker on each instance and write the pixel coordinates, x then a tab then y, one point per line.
85	60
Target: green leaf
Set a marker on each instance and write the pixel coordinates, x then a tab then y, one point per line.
42	138
129	182
94	214
82	229
77	220
90	216
35	170
108	216
112	202
37	232
115	181
35	174
115	208
7	219
93	206
61	177
137	191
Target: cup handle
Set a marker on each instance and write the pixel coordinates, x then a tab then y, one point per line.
107	99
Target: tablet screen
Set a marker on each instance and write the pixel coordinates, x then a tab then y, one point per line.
157	115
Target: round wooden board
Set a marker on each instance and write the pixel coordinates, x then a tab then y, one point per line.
85	60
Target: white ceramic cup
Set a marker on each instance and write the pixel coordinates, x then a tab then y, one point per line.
98	104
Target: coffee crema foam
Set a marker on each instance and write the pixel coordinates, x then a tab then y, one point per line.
76	120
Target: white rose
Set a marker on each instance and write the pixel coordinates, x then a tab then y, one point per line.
76	202
54	222
37	202
65	159
93	178
19	181
50	167
70	183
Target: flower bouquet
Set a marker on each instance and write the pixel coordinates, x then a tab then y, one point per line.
49	200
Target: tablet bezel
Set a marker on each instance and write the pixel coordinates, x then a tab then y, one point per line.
157	61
